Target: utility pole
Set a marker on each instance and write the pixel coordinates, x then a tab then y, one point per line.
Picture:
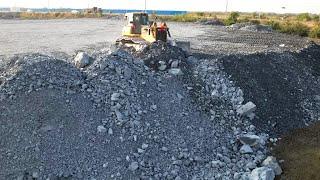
227	3
145	5
284	12
48	6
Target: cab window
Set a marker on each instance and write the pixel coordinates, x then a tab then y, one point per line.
136	18
144	19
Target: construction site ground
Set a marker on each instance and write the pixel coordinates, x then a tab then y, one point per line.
122	119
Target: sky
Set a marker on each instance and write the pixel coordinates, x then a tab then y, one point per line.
291	6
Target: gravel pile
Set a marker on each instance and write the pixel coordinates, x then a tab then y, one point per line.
125	117
212	22
161	56
251	27
284	86
257	28
238	26
222	41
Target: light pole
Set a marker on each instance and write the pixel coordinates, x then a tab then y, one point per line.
48	5
227	3
284	12
145	5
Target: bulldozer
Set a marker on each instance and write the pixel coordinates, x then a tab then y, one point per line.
140	32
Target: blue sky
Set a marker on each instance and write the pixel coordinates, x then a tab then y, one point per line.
296	6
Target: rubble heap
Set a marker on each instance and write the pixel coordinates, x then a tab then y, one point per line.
122	116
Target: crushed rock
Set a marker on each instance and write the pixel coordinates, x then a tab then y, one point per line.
283	86
148	131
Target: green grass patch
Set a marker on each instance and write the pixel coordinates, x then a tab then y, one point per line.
232	18
315	32
189	17
304	17
274	25
295	28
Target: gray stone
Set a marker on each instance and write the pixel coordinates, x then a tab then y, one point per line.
162	66
251	165
245	176
47	128
101	129
272	163
175	71
110	131
179	96
133	166
165	149
216	164
82	60
140	151
127	73
250	140
35	175
115	96
262	173
145	146
119	115
153	107
174	64
246	149
246	109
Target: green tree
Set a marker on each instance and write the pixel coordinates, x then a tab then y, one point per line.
232	18
304	17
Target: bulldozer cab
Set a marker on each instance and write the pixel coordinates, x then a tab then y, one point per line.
136	20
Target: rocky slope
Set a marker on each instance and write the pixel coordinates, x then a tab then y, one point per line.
125	116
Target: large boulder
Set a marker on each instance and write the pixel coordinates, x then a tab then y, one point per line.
262	173
249	139
175	71
82	60
247	109
272	163
246	149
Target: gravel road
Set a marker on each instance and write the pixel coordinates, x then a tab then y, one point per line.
66	36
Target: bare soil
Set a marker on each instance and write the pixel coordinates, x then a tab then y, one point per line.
300	150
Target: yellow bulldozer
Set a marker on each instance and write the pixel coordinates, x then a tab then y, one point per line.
139	32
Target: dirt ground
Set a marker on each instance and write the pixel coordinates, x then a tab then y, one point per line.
67	35
300	150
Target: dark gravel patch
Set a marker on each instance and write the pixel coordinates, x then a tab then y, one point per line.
278	83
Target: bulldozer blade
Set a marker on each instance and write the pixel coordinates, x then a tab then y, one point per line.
137	43
137	47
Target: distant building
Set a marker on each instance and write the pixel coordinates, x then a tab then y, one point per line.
75	12
94	10
18	9
15	9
